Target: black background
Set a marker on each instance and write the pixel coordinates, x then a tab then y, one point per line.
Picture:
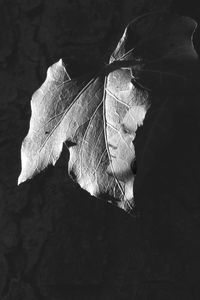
57	242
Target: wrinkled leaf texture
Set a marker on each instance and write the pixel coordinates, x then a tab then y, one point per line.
98	116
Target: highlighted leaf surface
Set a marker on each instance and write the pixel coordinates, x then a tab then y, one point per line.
99	116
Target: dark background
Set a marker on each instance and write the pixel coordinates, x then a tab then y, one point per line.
57	242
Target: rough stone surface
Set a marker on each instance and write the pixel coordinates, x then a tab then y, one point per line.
57	242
